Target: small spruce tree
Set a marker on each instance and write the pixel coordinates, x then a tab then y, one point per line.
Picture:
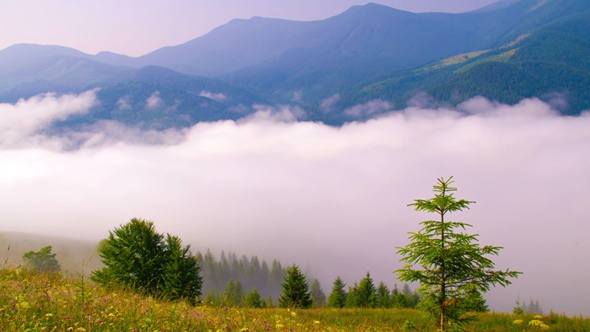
447	262
337	298
317	294
295	290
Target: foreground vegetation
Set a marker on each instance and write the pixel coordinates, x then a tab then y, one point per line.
50	302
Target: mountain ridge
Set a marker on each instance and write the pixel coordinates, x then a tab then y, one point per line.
367	52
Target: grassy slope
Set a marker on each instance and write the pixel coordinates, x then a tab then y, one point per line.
74	257
30	302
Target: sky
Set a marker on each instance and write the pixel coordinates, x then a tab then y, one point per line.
331	200
137	27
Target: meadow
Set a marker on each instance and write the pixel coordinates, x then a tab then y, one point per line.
52	302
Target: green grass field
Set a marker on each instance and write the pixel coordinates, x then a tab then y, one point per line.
33	302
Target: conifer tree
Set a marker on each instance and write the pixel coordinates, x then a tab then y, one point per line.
366	293
383	297
446	261
352	296
337	298
317	294
181	276
295	290
139	257
253	299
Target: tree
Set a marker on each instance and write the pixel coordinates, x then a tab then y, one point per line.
352	296
317	294
234	293
337	298
253	299
366	293
181	278
450	263
137	256
383	297
295	290
41	261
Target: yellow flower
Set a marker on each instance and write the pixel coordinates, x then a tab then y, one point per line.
293	313
517	322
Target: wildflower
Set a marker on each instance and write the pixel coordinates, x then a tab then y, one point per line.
48	315
538	317
517	322
535	322
316	322
293	313
279	326
244	329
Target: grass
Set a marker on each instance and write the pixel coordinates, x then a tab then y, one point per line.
33	302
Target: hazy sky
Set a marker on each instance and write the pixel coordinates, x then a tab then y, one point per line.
333	200
137	27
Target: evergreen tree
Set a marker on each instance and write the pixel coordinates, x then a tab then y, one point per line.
252	299
367	294
234	293
139	257
181	278
337	298
450	262
383	297
352	297
295	290
317	294
42	261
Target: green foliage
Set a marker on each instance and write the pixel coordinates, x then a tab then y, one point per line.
447	262
295	290
253	300
139	257
41	261
366	293
317	294
234	293
383	296
337	298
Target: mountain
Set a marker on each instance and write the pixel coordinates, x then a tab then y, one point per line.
551	62
506	51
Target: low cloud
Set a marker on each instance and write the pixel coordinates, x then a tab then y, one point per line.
154	101
327	105
23	123
214	96
369	109
331	199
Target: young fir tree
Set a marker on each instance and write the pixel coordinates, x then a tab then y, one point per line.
253	299
383	297
42	261
352	296
317	294
337	298
366	293
446	261
295	290
234	293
